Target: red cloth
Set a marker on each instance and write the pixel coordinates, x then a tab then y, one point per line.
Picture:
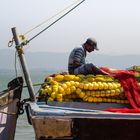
123	110
131	89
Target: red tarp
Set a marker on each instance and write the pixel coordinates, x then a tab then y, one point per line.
131	89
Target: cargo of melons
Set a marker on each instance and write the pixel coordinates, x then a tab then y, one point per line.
82	88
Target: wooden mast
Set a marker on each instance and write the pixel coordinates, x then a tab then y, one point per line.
23	65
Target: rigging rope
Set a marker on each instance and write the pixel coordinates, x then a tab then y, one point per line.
10	43
50	18
5	90
7	113
55	21
16	64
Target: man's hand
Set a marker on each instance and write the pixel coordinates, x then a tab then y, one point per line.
97	70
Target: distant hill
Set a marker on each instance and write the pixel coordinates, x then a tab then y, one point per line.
58	61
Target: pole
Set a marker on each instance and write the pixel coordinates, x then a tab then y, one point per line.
23	65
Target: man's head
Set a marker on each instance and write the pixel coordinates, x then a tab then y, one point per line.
91	45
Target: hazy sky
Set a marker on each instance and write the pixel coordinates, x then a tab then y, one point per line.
114	23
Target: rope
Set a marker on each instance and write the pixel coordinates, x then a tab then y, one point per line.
10	43
16	64
50	18
38	84
16	71
7	113
5	90
55	21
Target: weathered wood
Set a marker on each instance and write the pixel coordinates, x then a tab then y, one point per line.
106	129
6	98
47	128
85	124
51	127
8	117
9	101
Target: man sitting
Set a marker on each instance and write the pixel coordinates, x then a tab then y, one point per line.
76	63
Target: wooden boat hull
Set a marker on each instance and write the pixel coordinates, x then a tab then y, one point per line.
9	107
53	122
85	129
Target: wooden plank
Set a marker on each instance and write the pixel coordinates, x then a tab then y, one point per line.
51	127
8	121
106	129
9	109
87	129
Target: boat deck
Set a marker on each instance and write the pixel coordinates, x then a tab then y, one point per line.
42	109
72	121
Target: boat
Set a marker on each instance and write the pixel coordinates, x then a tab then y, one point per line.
10	108
54	120
81	120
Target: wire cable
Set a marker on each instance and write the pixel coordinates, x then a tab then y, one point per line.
50	18
55	21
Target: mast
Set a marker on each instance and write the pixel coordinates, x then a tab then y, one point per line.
21	56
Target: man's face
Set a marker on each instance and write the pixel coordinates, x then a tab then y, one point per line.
89	48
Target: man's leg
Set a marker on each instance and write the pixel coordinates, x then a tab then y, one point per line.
89	69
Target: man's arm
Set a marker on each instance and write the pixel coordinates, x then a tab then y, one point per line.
78	56
76	63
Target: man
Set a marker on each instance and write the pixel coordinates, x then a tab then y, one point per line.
76	63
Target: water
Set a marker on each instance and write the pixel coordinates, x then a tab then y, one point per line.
23	130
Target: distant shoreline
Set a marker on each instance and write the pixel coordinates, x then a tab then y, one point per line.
57	62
